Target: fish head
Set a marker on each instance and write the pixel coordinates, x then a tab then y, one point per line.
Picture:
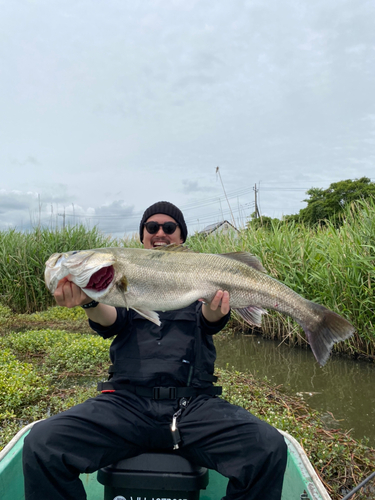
91	270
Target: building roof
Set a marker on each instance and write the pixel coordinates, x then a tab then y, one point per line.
212	227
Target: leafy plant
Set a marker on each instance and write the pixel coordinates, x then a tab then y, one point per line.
20	385
63	351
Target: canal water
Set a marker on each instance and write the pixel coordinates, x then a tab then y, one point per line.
343	390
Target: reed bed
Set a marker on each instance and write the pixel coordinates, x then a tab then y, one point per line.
22	262
330	265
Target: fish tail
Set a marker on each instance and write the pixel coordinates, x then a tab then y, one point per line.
324	330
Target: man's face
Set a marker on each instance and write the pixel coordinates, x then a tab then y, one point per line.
160	238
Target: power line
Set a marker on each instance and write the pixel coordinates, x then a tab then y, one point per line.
199	207
189	206
184	208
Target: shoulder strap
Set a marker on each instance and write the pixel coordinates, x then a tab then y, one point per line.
202	375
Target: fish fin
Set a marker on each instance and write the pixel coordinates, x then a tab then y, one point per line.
246	258
251	314
150	315
325	332
173	247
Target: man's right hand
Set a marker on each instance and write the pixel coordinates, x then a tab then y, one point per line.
68	294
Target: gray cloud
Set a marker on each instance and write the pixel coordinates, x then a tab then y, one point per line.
13	201
116	218
29	160
117	207
104	102
194	187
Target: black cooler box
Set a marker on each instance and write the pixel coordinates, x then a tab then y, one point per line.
153	476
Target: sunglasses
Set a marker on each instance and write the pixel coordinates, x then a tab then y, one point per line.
153	227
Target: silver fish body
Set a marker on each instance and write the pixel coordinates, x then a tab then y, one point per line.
172	278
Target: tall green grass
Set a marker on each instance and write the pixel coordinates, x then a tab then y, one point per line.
23	257
332	266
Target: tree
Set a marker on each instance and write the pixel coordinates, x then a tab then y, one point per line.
328	204
257	222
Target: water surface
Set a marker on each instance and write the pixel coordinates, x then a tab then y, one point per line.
344	388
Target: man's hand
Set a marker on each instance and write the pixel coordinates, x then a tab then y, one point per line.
218	308
68	294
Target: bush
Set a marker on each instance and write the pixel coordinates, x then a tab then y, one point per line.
59	314
20	385
79	353
73	352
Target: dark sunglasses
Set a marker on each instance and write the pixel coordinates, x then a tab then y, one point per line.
153	227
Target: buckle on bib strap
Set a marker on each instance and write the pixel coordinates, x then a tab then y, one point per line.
164	393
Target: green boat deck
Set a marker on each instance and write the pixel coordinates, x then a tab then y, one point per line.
300	478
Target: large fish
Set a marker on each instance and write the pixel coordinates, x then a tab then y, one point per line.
173	277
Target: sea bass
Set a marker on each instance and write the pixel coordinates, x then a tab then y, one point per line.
174	277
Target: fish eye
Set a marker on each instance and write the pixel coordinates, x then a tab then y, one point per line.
54	259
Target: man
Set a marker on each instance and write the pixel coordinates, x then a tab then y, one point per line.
158	373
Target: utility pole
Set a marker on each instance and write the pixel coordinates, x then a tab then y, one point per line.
39	211
218	173
257	213
63	216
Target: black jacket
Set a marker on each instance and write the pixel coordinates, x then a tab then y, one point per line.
178	353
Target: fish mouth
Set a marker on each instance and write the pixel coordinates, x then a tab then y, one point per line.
101	279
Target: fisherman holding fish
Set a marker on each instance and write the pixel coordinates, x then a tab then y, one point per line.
162	372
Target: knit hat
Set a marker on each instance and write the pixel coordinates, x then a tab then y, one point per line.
164	207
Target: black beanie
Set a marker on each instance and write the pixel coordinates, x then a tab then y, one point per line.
164	207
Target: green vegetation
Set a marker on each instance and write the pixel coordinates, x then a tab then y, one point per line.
43	372
20	385
63	318
71	352
22	259
324	205
47	371
330	204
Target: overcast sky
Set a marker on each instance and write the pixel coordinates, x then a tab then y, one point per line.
109	106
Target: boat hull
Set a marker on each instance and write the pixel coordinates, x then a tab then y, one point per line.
300	476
